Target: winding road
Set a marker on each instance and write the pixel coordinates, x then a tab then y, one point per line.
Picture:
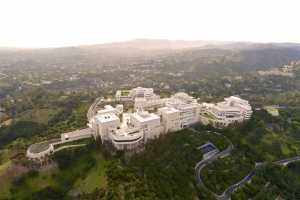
226	195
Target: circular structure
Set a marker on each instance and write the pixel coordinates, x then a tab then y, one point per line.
40	150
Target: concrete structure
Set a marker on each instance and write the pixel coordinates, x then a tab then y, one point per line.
232	110
138	92
127	134
109	109
129	131
170	119
142	92
173	114
76	135
104	124
188	108
123	95
127	139
148	104
40	151
148	123
243	105
143	98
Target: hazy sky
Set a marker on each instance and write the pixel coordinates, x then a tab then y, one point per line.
49	23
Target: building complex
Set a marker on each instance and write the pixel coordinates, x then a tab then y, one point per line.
232	110
152	116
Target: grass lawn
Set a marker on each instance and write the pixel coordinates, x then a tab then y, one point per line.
95	178
4	167
4	184
75	176
5	189
125	92
209	116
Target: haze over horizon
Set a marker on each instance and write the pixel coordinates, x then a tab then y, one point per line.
41	24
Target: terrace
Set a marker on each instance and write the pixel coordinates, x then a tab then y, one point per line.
125	92
208	115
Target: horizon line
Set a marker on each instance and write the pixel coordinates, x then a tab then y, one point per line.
136	39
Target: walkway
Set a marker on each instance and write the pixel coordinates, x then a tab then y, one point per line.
68	146
200	165
45	148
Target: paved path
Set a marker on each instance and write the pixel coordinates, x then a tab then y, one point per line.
201	164
43	147
226	195
285	162
68	146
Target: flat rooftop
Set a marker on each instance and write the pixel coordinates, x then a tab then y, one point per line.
145	116
168	110
107	117
40	147
107	109
77	133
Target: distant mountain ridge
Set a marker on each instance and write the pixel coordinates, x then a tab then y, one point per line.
175	54
156	44
159	44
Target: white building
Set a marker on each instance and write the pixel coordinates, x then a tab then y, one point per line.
76	135
188	108
148	104
129	131
134	129
142	92
123	95
104	124
149	123
39	151
231	110
143	98
170	119
127	139
109	109
243	105
138	92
